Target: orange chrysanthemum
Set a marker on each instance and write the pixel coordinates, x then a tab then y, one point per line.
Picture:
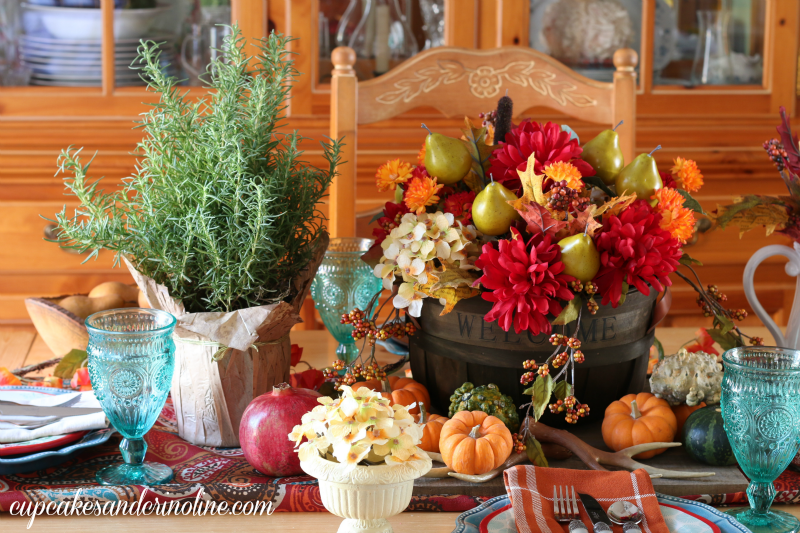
676	219
421	156
565	171
686	171
420	193
391	173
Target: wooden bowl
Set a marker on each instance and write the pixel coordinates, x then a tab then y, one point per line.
60	329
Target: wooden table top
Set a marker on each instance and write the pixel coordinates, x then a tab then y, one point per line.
20	346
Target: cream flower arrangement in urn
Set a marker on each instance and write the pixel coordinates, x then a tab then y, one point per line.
360	427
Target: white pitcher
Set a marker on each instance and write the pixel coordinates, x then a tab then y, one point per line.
792	338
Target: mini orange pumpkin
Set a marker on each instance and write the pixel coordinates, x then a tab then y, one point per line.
431	430
682	412
403	391
639	419
475	443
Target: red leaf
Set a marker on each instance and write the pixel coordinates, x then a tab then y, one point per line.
297	354
540	220
584	222
307	379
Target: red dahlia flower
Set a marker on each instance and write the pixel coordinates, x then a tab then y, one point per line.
460	205
634	249
526	280
548	142
392	213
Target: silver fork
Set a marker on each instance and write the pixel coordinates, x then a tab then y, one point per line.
564	507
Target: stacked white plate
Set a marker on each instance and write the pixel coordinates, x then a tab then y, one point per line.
78	63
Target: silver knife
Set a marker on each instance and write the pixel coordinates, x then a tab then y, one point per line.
596	513
36	410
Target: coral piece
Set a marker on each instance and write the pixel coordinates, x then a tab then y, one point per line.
687	377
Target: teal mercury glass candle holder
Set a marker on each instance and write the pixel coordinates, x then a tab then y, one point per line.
761	409
131	359
342	283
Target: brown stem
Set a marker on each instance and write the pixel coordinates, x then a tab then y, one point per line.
423	413
38	366
635	412
474	433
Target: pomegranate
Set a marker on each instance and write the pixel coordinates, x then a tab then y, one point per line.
265	427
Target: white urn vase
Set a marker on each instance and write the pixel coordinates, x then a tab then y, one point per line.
792	337
366	495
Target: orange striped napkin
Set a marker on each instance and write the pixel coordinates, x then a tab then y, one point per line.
531	491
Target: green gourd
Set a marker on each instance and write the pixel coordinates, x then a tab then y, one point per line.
705	439
486	398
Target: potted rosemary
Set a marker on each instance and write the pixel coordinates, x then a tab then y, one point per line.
218	225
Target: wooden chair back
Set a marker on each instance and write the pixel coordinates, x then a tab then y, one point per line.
458	81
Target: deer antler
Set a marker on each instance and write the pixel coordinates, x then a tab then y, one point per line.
594	458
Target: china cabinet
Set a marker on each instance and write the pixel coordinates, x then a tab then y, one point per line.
712	75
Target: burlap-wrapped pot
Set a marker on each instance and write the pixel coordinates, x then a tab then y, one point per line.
212	385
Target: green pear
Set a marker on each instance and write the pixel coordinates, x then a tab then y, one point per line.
491	212
640	176
605	156
446	158
580	257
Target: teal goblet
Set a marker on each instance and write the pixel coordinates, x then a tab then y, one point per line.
342	283
761	410
131	359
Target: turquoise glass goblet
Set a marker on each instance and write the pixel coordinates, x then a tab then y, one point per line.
761	410
343	282
131	359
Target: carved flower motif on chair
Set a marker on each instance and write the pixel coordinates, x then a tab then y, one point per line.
485	82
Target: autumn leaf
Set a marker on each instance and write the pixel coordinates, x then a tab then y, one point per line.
616	205
562	390
475	141
531	184
451	285
70	363
473	181
569	313
535	453
542	389
540	220
751	211
584	222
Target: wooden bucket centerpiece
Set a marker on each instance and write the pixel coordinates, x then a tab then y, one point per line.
461	346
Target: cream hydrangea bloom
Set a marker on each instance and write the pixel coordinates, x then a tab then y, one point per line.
410	249
360	422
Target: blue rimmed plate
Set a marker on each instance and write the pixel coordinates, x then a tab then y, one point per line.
681	516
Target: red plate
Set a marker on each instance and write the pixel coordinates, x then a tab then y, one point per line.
39	445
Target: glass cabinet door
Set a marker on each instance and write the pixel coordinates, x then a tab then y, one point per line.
584	34
384	33
58	43
709	42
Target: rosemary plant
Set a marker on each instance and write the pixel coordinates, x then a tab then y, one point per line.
221	209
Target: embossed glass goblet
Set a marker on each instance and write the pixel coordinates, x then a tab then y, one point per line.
343	282
761	410
131	359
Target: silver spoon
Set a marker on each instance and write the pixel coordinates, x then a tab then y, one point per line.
624	512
